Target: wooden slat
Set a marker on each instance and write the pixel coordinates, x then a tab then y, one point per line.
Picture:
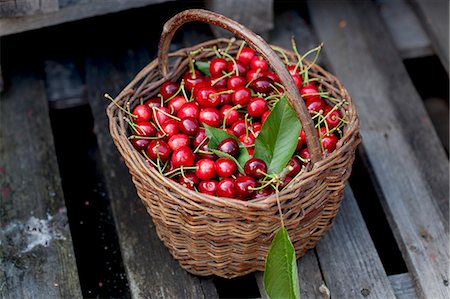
151	271
348	258
16	8
408	162
260	20
435	18
36	252
403	286
84	9
405	28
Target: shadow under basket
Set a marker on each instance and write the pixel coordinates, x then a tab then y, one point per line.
209	235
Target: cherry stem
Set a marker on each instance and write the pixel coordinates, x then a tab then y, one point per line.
200	144
232	40
282	54
157	121
226	75
118	106
234	62
218	54
317	50
299	57
132	125
167	114
191	66
144	137
240	49
183	90
228	112
254	78
221	92
176	93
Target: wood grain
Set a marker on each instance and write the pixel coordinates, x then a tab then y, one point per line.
36	252
409	164
151	271
403	286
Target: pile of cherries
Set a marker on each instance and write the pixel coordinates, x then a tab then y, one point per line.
237	96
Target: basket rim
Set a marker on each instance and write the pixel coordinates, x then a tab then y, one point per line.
351	135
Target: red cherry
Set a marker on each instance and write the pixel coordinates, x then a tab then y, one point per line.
225	98
225	188
178	140
168	89
182	157
220	82
189	180
189	109
256	107
176	103
191	80
329	141
262	84
217	66
301	139
207	97
298	81
294	166
170	127
316	105
264	116
333	118
241	96
210	116
229	146
251	151
158	148
205	169
160	115
272	76
235	82
208	187
293	70
225	167
246	55
309	92
199	137
241	67
263	192
140	144
189	126
252	75
247	140
231	115
255	168
204	147
239	128
142	113
304	153
154	102
145	129
256	128
242	186
206	83
258	62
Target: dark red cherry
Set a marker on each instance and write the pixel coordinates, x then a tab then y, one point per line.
316	105
239	128
160	115
243	185
178	140
263	192
182	157
170	127
241	96
304	153
252	75
333	118
189	180
241	67
329	141
204	148
158	148
225	167
154	102
205	169
189	126
225	98
256	107
145	129
217	66
210	116
225	188
219	82
189	109
246	55
294	167
142	113
176	103
272	76
168	89
262	84
309	92
140	144
229	146
208	187
199	138
301	139
255	168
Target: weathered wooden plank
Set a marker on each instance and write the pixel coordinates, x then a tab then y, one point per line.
260	20
151	271
78	11
36	252
408	162
16	8
405	28
403	286
438	110
435	18
348	258
309	276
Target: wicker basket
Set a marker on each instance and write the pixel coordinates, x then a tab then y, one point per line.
227	237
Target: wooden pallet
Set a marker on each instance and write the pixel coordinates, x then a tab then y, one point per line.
401	151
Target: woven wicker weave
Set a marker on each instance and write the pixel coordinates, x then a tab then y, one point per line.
227	237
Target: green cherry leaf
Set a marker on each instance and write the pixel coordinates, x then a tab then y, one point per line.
278	138
203	66
216	136
280	274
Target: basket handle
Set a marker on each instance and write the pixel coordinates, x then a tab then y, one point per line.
255	41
